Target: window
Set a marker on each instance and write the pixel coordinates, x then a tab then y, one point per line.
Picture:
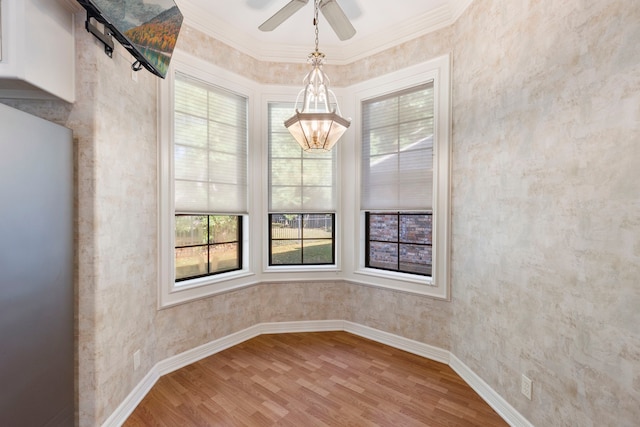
403	207
210	183
301	239
302	198
397	157
207	244
399	242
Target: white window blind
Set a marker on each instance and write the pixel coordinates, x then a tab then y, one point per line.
210	148
298	181
397	150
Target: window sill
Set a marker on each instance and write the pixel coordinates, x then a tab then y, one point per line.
420	285
300	268
295	273
203	287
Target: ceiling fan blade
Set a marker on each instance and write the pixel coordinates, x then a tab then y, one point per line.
337	19
282	15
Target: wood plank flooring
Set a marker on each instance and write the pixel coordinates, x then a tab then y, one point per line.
313	379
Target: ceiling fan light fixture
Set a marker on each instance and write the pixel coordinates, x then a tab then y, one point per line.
282	15
317	125
336	17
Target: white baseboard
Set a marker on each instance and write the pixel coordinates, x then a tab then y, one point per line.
122	412
396	341
501	406
493	399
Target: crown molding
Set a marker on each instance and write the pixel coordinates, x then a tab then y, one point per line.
343	54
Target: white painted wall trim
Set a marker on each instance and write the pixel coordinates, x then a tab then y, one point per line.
501	406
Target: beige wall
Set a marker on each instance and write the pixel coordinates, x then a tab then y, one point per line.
546	202
546	214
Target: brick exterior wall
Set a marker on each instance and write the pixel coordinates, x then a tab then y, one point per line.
409	242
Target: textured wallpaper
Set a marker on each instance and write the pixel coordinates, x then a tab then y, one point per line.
546	201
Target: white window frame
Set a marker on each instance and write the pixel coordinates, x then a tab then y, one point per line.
437	286
170	292
300	273
349	232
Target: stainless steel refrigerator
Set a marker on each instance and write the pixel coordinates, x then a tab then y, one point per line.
36	272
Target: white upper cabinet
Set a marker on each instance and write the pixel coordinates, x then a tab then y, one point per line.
37	49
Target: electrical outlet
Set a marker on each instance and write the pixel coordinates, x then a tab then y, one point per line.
136	360
525	387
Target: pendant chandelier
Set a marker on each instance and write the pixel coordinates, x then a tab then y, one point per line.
316	126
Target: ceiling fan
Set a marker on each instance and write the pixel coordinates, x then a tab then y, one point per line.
331	10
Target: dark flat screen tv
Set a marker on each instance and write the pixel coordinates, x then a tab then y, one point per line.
148	29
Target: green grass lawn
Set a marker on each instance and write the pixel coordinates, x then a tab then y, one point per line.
284	253
315	252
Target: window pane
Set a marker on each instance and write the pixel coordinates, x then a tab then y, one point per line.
318	226
190	130
415	259
302	239
283	145
399	242
317	198
417	103
190	163
210	146
314	173
286	196
223	228
383	255
415	229
224	257
228	108
190	98
317	252
191	262
397	150
286	226
381	112
318	172
191	230
383	227
285	252
227	168
225	138
191	196
286	172
207	244
417	134
278	113
383	141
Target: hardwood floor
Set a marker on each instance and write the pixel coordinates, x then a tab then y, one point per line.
313	379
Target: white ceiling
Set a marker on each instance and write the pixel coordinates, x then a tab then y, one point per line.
379	24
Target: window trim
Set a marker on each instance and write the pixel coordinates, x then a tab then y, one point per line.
437	286
349	220
170	292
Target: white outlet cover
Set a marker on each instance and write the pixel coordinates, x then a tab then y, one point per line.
136	359
525	386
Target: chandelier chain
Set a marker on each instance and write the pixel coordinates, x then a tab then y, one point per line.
315	21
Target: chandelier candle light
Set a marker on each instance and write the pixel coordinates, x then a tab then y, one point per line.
317	126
